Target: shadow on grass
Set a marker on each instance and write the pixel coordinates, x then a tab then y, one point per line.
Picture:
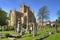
43	37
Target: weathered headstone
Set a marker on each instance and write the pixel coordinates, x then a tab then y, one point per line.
22	31
50	33
18	26
30	31
11	38
4	27
27	28
34	30
1	36
27	25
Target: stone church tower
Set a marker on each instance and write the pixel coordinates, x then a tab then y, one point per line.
24	14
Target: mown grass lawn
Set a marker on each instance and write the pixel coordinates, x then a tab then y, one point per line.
40	33
54	37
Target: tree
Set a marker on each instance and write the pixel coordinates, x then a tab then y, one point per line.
58	13
43	14
56	26
57	23
3	17
58	20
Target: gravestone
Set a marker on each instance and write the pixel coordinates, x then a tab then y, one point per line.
4	27
11	38
22	31
1	36
18	26
34	30
27	27
30	31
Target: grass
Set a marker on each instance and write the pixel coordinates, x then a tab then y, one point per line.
40	33
54	37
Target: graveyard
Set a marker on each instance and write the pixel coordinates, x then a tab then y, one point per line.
40	33
29	20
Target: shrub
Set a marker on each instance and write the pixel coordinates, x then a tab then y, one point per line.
7	35
0	28
24	26
10	28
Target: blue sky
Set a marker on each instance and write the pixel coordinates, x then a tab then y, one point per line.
53	6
